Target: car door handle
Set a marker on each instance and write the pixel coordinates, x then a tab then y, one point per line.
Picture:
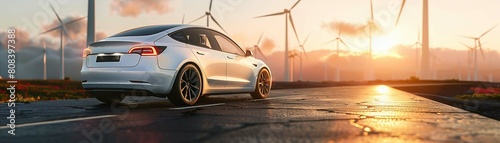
229	57
200	53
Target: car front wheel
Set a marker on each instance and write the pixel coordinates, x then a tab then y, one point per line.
263	85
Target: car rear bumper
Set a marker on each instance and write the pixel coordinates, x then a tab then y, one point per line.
146	76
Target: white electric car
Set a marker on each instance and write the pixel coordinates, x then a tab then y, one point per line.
181	62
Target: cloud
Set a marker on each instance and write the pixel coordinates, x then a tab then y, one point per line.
100	36
132	8
76	29
22	38
268	45
350	29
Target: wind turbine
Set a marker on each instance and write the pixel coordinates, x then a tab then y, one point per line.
477	44
300	55
424	68
63	30
337	68
416	45
209	16
469	59
256	48
288	15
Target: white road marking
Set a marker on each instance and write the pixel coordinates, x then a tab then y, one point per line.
59	121
191	107
276	98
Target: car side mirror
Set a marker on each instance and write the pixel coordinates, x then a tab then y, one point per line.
248	53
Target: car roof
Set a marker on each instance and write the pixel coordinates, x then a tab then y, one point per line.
150	33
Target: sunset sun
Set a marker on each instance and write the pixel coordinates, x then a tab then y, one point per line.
383	45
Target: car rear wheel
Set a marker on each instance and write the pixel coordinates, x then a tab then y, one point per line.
109	98
187	88
263	85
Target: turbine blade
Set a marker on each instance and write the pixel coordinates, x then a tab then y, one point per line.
488	31
198	19
467	37
415	45
210	7
259	38
66	33
218	24
342	41
50	30
58	18
183	16
466	45
400	11
258	49
304	51
371	10
74	20
295	4
293	26
329	42
481	49
435	57
273	14
306	39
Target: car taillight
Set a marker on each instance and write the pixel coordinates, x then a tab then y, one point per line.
86	52
147	50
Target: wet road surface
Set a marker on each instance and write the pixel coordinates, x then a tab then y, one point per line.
334	114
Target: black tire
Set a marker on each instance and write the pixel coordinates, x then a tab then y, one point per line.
263	85
109	98
188	86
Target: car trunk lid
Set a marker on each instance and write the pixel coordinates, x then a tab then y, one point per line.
113	54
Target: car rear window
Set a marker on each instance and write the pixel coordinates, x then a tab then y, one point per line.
143	31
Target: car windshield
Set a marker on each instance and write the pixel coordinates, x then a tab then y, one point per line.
143	31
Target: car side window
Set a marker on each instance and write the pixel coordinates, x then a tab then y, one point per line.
228	46
199	37
204	42
179	36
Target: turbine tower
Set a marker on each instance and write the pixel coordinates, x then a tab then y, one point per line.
288	15
91	22
469	59
63	30
424	67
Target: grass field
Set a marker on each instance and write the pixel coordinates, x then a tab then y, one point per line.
34	90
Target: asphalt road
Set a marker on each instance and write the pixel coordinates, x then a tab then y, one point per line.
334	114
